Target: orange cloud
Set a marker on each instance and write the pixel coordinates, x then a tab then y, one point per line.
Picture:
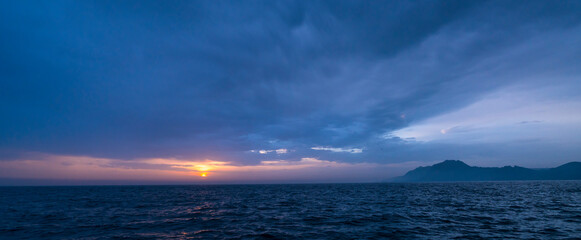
88	168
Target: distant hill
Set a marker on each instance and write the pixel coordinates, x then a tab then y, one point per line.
455	170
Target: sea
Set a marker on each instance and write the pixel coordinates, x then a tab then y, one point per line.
468	210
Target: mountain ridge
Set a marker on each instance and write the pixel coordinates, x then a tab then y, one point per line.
456	170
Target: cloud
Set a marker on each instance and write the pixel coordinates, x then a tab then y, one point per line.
281	151
79	168
348	150
505	115
277	151
205	80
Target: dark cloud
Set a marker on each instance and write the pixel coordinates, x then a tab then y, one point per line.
204	79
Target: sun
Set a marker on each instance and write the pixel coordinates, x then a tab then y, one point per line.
203	174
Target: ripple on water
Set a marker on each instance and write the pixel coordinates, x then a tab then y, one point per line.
549	209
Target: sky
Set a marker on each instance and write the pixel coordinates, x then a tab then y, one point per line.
145	91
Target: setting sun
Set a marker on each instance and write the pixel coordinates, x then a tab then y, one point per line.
203	174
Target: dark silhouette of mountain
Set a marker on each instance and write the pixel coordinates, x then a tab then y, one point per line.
455	170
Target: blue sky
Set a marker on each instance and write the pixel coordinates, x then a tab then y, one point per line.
373	88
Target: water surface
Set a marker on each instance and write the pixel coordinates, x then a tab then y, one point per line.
546	209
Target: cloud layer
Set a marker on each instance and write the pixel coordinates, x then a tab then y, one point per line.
247	82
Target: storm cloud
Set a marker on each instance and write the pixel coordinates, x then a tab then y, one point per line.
224	80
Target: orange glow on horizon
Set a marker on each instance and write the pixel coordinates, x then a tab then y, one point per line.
158	169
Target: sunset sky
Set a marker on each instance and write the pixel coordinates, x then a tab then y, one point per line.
119	92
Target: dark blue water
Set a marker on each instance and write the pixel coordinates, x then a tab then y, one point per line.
546	210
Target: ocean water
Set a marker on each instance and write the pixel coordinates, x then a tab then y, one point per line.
478	210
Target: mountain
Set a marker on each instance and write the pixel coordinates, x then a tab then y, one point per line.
455	170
